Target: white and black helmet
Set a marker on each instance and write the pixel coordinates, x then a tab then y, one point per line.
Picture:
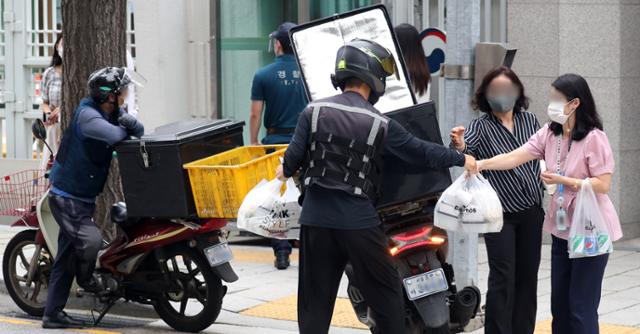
111	80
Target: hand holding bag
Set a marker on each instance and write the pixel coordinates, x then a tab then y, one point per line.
469	205
589	234
267	213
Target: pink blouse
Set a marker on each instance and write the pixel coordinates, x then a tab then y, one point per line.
589	157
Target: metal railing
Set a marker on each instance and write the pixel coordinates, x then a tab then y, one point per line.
26	48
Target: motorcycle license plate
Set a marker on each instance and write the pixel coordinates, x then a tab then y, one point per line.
218	254
425	284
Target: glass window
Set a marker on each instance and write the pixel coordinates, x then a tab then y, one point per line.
324	8
245	26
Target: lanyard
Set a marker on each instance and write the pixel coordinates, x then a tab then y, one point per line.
558	170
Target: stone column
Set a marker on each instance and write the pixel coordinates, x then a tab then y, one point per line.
600	41
463	32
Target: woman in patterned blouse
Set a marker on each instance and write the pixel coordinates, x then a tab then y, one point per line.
52	98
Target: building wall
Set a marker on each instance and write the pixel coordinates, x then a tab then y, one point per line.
172	53
600	41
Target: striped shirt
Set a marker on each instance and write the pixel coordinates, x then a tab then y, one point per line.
486	137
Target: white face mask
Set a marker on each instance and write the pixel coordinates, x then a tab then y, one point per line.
555	111
60	51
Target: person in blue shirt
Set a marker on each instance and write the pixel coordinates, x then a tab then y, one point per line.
77	177
278	90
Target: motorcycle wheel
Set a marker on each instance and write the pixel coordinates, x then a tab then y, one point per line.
18	254
198	301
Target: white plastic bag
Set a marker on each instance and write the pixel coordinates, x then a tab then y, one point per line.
267	213
589	234
469	205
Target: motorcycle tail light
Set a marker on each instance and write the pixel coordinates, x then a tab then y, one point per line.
410	240
214	224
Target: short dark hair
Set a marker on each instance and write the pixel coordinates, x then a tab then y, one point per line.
574	86
56	60
286	46
480	102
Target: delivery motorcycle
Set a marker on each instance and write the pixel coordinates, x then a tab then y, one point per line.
176	265
433	303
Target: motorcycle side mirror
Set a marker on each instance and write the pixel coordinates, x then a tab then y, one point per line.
38	129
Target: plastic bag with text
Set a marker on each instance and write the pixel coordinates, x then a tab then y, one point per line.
469	205
264	211
589	234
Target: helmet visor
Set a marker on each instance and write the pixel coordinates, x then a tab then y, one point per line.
389	65
134	78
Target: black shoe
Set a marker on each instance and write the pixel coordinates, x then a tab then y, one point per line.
95	285
282	260
61	320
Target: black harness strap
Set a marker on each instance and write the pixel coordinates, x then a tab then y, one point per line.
321	158
351	144
351	179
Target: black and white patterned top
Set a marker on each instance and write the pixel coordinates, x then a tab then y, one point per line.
486	137
52	88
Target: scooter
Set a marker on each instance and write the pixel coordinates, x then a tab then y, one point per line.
433	304
177	266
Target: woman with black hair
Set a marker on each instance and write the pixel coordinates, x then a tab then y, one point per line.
514	252
413	54
576	148
52	98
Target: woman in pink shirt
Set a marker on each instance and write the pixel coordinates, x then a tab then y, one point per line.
574	148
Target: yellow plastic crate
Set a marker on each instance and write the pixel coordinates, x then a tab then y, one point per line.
219	183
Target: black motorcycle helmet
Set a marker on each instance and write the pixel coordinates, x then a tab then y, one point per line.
365	60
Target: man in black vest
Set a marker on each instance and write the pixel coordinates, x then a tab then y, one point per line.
337	144
77	177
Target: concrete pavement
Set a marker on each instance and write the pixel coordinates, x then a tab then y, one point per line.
263	299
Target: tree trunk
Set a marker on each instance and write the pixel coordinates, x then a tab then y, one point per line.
94	37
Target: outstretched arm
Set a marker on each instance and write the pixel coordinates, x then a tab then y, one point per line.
506	161
296	153
411	149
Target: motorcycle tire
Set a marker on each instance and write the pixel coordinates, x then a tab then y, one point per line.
215	291
10	275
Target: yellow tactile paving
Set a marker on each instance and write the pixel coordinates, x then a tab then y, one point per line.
285	309
544	327
257	256
343	316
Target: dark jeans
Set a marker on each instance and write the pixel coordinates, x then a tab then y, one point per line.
576	286
514	259
79	241
281	245
324	253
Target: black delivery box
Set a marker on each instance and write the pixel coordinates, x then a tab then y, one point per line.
402	181
315	45
153	180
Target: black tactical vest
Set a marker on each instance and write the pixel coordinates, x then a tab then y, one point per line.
345	149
